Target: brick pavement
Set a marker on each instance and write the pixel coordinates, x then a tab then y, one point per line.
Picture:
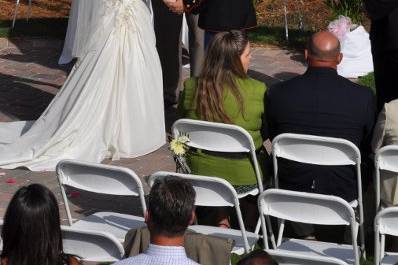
30	77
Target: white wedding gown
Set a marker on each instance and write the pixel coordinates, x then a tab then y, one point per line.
111	105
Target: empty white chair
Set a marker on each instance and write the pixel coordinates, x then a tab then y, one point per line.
386	223
216	192
102	179
283	257
386	159
92	246
325	151
220	137
309	208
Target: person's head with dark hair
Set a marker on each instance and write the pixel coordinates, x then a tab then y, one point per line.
170	210
31	230
323	50
257	257
227	58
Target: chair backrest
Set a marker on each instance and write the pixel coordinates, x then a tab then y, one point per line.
212	136
301	206
386	159
283	257
218	137
212	192
307	149
99	178
386	223
91	245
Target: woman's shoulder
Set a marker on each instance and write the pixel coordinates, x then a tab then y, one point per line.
253	84
190	83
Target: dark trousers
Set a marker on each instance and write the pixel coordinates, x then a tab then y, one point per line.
385	59
168	43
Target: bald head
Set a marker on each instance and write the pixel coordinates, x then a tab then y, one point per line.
324	46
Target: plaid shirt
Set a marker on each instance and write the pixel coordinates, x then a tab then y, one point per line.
160	255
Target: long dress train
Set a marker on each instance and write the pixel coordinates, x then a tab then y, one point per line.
111	105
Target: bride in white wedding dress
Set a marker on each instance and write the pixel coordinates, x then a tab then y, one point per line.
111	105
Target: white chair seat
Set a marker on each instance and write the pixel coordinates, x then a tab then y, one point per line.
390	258
318	248
236	235
115	223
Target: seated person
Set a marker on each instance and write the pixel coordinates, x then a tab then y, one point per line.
257	257
386	133
170	212
322	103
224	93
32	231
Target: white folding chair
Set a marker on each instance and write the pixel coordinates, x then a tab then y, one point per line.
386	159
102	179
16	11
91	246
326	151
216	192
283	257
309	208
220	137
386	223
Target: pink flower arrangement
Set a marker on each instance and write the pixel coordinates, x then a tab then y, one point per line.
340	27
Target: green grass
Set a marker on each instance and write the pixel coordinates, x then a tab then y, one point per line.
275	36
369	81
43	27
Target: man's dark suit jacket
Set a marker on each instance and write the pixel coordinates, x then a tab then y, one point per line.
224	15
322	103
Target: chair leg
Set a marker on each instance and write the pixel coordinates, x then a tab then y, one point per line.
15	13
286	22
29	10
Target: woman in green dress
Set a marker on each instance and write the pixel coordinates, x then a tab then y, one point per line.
224	93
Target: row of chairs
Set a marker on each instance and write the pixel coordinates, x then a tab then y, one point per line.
92	245
309	149
221	138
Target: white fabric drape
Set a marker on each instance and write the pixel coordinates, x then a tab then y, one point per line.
111	105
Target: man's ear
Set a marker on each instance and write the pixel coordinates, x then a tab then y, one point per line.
339	58
193	217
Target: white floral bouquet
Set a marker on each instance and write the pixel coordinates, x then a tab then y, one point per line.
179	147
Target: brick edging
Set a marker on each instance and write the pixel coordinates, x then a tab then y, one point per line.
30	42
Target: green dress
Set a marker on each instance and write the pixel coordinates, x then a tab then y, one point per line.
238	171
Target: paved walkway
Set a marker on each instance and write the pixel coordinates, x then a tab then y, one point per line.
29	79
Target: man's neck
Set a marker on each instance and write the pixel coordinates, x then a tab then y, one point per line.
322	65
161	240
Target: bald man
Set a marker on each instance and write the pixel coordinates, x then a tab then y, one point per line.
320	102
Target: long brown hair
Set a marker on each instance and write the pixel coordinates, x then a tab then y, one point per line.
221	67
